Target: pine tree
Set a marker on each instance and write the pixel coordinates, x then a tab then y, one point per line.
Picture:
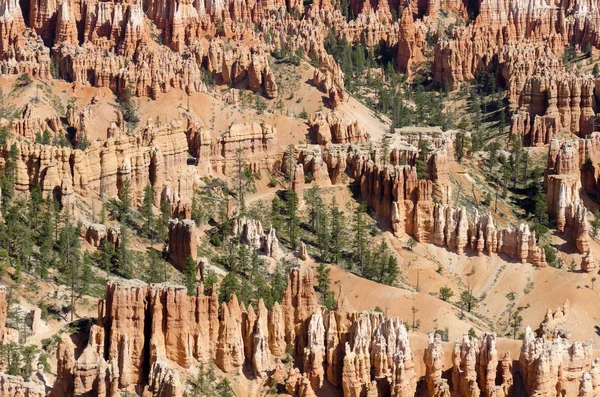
421	161
323	285
315	203
360	236
337	232
69	244
189	276
123	255
293	221
125	204
245	179
8	180
229	285
147	204
157	268
276	217
323	232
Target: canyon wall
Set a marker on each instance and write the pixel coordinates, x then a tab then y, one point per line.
148	336
421	207
572	167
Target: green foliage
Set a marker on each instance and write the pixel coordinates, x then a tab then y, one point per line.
552	256
229	285
515	322
206	384
23	81
472	333
128	108
156	271
468	300
421	161
323	286
245	181
595	225
337	231
7	181
446	293
293	221
189	275
568	54
303	114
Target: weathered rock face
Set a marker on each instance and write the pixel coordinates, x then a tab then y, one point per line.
15	386
95	234
553	326
551	368
182	242
256	143
330	128
434	362
155	155
146	333
571	168
552	103
142	327
251	233
459	57
588	263
396	194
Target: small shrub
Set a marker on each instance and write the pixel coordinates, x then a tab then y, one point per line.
23	81
303	114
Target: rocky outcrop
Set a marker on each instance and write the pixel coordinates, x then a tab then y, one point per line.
588	263
155	155
256	142
556	367
396	194
571	168
553	103
459	57
15	386
143	330
182	242
553	326
330	127
146	334
250	232
434	363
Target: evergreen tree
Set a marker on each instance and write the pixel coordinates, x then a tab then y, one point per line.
147	203
468	300
337	232
229	285
8	180
245	181
293	220
189	276
314	203
123	255
276	217
157	268
595	225
360	236
125	204
445	293
69	245
165	213
421	161
323	285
